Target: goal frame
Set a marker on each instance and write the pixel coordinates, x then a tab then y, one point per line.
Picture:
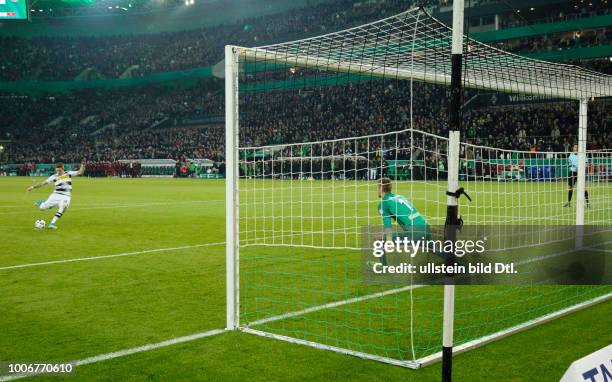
233	55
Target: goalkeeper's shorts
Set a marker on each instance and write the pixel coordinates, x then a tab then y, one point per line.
414	233
572	179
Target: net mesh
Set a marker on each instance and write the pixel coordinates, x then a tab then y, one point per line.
321	119
303	207
414	45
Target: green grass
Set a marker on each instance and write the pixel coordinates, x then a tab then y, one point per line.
74	310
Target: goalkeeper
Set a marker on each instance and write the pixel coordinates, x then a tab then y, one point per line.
396	207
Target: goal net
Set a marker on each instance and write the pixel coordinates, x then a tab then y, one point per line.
312	125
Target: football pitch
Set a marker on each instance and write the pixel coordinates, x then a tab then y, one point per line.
137	262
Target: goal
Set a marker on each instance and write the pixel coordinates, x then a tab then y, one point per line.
312	124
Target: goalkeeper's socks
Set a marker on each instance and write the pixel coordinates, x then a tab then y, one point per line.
586	197
570	193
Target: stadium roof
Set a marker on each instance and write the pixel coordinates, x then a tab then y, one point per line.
415	45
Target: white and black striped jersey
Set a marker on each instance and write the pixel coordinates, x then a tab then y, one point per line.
63	183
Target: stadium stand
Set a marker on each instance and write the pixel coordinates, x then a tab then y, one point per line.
173	121
62	58
127	131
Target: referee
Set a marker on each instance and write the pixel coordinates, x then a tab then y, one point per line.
573	177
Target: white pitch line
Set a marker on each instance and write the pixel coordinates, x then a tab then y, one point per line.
125	352
192	337
103	206
27	209
109	256
601	250
333	305
122	353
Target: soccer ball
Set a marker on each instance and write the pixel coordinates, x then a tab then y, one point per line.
39	224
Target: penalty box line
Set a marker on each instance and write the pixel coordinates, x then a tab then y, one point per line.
125	352
214	332
29	265
209	333
192	337
28	209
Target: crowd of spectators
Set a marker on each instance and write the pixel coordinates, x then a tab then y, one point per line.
539	127
558	41
89	122
602	65
553	13
62	58
152	123
167	143
130	169
170	122
354	110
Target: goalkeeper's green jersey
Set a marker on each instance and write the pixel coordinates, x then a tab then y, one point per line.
398	208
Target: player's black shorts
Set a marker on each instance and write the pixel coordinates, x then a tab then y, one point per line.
572	179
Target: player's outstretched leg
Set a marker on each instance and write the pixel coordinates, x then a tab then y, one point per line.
58	214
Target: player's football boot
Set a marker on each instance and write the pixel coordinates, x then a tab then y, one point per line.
52	226
38	203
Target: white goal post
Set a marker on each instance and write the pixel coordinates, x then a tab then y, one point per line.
295	210
231	185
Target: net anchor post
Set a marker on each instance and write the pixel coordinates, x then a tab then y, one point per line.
452	210
451	226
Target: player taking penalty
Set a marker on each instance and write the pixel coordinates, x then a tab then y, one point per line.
393	207
60	198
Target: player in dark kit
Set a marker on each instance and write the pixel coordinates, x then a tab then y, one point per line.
572	177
